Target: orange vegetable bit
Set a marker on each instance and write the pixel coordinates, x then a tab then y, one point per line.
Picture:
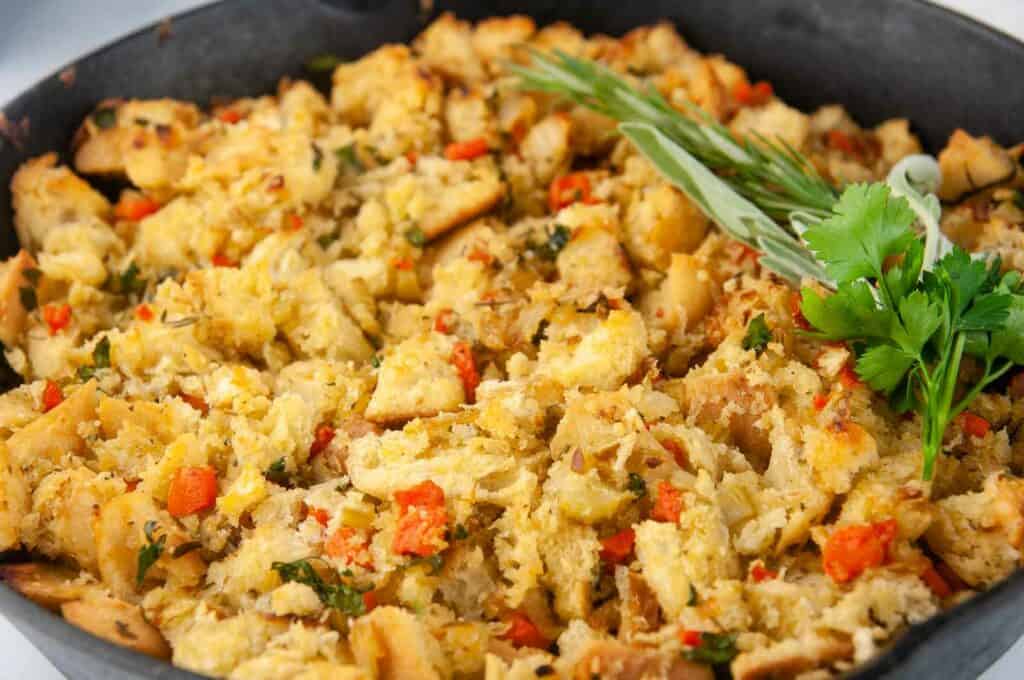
755	94
522	632
849	379
322	438
852	549
229	116
422	519
466	151
760	573
938	585
840	141
796	313
222	260
676	449
320	515
144	312
192	490
369	600
444	321
198	403
294	222
820	402
568	189
52	396
668	504
478	254
57	317
135	209
404	264
691	638
617	548
412	157
973	424
462	358
350	545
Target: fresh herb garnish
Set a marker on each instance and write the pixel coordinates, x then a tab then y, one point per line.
460	533
435	562
758	335
375	361
557	239
128	281
910	327
636	485
27	296
318	157
105	118
325	240
714	649
692	600
347	155
100	359
416	237
340	596
277	472
323	63
149	553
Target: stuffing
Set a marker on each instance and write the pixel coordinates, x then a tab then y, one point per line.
435	377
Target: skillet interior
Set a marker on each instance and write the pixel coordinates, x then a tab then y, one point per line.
880	58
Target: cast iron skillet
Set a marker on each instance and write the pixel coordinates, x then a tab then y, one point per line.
880	58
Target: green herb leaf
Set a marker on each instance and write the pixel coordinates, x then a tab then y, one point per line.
416	237
325	240
128	281
323	63
375	361
435	563
347	155
758	335
27	296
340	596
318	158
101	353
460	533
636	485
105	118
557	239
277	472
715	649
149	553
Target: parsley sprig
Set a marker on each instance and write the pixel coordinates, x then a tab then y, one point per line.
341	596
911	328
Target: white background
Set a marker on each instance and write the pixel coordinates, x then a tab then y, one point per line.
39	36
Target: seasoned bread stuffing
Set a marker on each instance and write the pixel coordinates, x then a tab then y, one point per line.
437	378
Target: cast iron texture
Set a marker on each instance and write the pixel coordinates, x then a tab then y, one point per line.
880	58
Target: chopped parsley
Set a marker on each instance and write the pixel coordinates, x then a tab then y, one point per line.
325	240
277	472
375	361
460	533
557	239
758	334
416	237
318	157
714	649
105	118
347	155
149	553
340	596
128	281
435	562
100	359
636	485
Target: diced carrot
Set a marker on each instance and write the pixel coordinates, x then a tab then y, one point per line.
320	515
135	209
568	189
933	579
676	449
759	572
131	484
523	633
422	519
443	321
230	116
294	222
852	549
322	438
747	253
796	313
222	260
351	545
480	255
192	490
466	151
973	424
848	377
820	401
144	312
52	396
369	600
425	494
57	317
753	94
412	157
617	548
668	504
691	638
404	264
198	403
462	358
840	141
